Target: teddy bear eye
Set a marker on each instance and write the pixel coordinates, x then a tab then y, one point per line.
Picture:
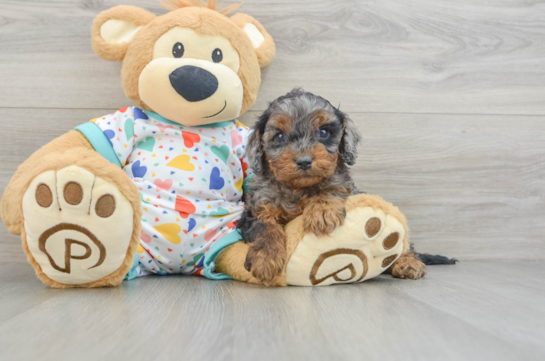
178	50
217	55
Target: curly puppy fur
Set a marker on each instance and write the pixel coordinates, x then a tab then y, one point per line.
299	152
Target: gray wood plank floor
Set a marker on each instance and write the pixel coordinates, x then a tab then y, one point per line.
471	311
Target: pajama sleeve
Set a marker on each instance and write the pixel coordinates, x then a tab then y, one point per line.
112	135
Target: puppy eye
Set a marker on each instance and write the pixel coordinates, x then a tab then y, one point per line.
217	55
279	137
324	134
178	50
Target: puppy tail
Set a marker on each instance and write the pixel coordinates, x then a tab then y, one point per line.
432	260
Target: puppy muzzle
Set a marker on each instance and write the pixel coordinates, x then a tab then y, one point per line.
304	163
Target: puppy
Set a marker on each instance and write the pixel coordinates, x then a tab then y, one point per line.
299	153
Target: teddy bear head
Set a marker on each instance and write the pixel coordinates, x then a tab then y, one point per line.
193	65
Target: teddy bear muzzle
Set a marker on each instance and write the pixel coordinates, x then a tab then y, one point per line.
191	91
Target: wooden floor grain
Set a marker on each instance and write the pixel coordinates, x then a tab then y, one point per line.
471	311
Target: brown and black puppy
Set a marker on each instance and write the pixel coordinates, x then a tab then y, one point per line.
299	153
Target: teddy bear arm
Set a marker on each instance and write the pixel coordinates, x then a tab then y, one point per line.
11	209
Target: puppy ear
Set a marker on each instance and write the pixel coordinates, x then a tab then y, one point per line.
351	137
254	147
261	40
113	29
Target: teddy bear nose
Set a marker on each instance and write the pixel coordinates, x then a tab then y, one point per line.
193	83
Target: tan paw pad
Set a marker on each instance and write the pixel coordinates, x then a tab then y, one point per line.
78	227
364	247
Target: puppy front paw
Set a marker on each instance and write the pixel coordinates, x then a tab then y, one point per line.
409	267
264	263
323	218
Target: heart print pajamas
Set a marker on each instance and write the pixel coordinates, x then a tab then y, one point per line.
190	181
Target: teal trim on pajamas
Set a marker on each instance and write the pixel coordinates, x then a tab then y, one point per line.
133	271
210	258
99	141
246	183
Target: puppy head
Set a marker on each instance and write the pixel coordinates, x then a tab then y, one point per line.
301	138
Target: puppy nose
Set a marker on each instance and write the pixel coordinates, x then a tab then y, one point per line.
304	163
193	83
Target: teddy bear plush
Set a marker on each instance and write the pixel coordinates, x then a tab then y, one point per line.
157	188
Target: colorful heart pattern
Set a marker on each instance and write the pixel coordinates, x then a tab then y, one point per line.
171	231
129	129
147	144
220	212
163	185
222	152
190	181
236	139
190	139
182	162
184	206
216	181
138	170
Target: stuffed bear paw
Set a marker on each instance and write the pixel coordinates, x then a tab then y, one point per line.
369	242
78	227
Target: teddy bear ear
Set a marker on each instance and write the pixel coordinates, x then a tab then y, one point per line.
261	40
113	30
